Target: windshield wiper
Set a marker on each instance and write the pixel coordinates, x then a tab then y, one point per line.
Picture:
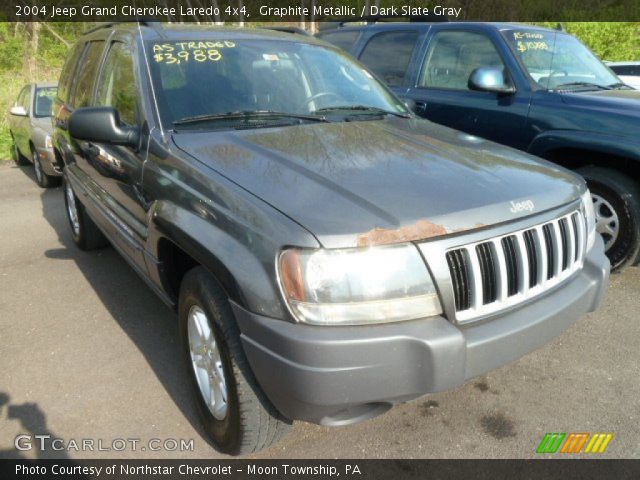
583	84
245	115
618	85
363	108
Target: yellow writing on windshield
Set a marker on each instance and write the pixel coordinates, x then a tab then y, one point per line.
527	36
524	46
177	52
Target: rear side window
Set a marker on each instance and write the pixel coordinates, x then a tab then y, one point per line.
388	55
67	71
341	39
86	75
117	87
452	56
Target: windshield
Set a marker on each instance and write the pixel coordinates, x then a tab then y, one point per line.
208	78
556	60
44	101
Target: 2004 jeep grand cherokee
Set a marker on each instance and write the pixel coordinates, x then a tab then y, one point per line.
328	253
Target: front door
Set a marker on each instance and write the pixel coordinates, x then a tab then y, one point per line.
442	93
117	170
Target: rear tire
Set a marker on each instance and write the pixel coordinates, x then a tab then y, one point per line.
86	235
244	421
16	155
44	180
617	203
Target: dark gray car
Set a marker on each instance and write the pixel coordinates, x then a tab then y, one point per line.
30	128
328	254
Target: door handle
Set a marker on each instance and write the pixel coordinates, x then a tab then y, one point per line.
93	149
421	108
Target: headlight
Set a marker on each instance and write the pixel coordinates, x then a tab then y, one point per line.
358	285
47	141
590	216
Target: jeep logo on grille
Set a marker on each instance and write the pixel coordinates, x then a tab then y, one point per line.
520	206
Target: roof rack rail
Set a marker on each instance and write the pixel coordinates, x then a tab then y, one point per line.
148	23
382	18
284	28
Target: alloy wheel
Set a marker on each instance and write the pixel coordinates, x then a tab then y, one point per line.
607	221
207	363
72	210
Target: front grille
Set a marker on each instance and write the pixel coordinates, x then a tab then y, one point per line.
494	274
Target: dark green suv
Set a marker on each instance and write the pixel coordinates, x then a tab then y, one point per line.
531	88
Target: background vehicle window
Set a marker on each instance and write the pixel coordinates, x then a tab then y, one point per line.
388	54
23	98
626	69
86	75
452	56
117	87
341	39
67	71
557	60
43	101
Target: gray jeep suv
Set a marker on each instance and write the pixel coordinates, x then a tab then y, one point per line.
328	253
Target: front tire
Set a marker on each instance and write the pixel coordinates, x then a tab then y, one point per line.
86	235
44	180
17	157
235	412
616	200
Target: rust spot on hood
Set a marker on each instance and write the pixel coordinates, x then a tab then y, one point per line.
421	230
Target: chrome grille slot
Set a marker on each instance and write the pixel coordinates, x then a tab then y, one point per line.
532	256
497	273
509	249
488	272
548	241
562	224
457	261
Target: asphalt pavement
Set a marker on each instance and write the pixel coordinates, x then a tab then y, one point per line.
89	354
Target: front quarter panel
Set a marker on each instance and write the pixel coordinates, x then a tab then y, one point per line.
234	234
603	143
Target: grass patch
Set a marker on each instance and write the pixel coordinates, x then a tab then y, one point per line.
10	85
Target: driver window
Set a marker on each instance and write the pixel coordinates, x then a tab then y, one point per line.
117	86
453	56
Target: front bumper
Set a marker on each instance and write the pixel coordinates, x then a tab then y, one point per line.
341	375
48	161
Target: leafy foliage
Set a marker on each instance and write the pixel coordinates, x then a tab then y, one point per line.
611	41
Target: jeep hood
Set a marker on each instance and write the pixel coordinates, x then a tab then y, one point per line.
382	181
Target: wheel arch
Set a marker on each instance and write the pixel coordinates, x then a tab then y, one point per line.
179	240
177	262
575	150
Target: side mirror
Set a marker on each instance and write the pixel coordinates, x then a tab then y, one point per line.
490	79
102	125
18	111
410	103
